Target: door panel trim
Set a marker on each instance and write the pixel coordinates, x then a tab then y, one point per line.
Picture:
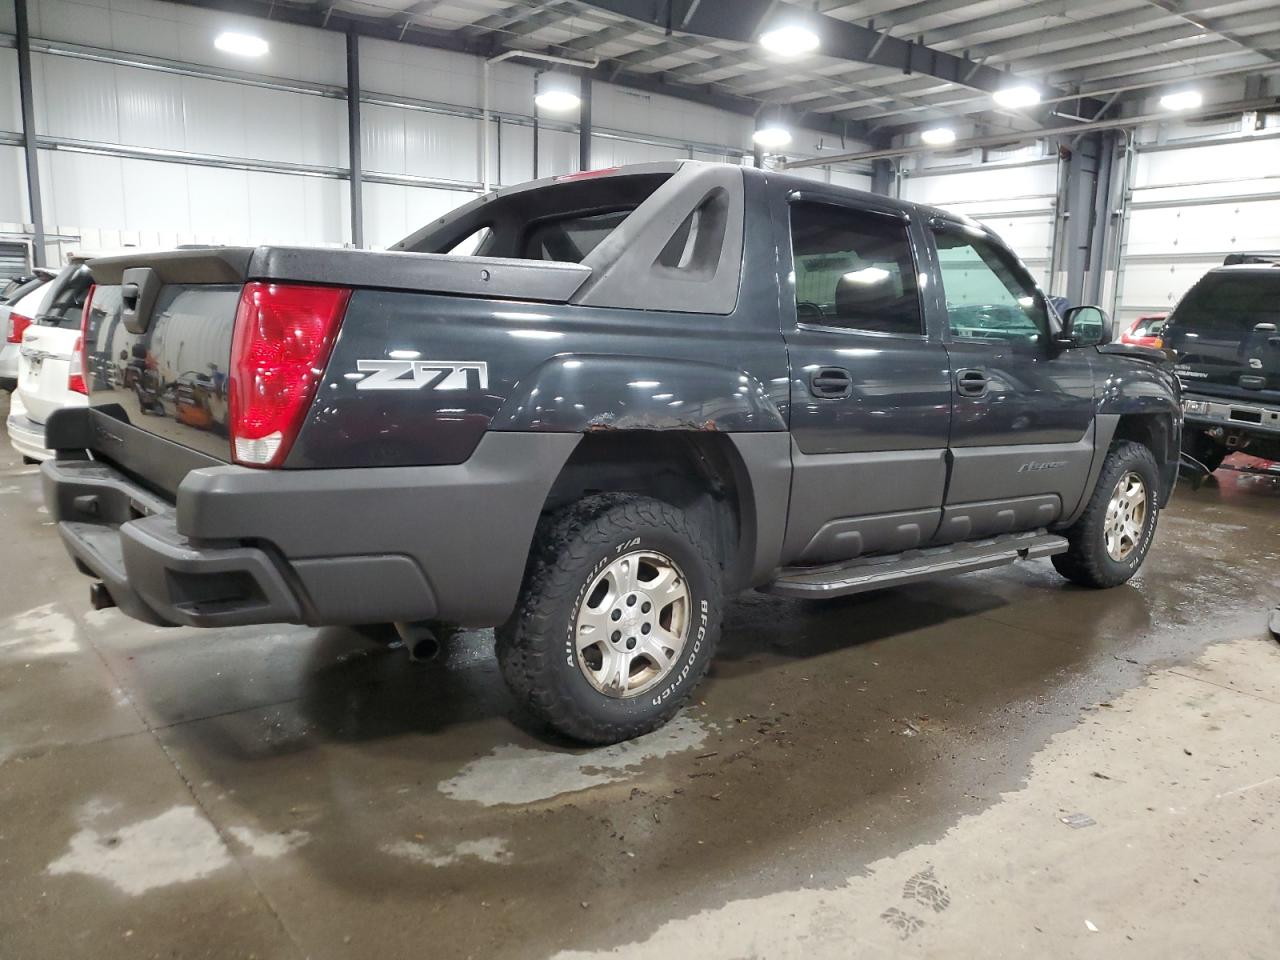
970	521
1020	470
884	533
860	486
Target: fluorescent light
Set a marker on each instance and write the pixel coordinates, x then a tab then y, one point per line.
558	101
867	276
938	136
1015	97
241	44
1182	100
772	136
789	41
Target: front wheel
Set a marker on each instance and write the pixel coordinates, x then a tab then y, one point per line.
617	618
1111	539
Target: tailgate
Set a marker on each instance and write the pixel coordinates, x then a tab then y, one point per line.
44	361
168	379
1225	337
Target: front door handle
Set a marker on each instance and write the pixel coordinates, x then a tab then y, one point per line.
831	383
972	383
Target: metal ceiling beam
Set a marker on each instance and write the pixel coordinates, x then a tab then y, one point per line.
483	46
741	21
1214	25
1071	131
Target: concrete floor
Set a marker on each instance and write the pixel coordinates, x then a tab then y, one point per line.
881	776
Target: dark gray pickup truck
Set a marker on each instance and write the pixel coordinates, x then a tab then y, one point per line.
587	409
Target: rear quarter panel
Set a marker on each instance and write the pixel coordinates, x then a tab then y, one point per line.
504	365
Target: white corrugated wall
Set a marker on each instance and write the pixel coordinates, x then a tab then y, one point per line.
1015	195
1191	204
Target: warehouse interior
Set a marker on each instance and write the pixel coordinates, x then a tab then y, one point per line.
999	764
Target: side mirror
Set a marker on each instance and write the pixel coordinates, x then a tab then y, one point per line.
1086	327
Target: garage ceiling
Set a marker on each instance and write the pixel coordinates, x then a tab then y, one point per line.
885	67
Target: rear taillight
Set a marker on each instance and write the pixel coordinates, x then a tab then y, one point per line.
283	336
80	355
17	327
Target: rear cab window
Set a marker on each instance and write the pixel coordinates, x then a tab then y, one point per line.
1229	304
561	222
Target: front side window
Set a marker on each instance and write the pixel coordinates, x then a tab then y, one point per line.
988	297
854	269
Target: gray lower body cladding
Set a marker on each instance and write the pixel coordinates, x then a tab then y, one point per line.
314	546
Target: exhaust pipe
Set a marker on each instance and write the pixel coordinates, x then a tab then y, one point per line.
100	596
420	640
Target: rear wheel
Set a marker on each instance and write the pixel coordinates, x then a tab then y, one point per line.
617	618
1111	539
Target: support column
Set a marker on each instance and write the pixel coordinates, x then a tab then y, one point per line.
353	139
1082	217
584	126
882	177
39	254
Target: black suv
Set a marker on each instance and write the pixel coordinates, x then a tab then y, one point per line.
1225	334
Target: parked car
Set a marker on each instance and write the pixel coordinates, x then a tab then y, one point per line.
593	430
21	297
1146	331
50	362
1225	336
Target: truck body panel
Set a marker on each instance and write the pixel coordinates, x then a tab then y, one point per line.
908	396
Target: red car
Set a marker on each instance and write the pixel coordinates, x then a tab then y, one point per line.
1146	331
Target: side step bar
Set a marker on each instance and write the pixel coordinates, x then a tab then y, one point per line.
912	566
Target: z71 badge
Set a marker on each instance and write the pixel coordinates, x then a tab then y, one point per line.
423	374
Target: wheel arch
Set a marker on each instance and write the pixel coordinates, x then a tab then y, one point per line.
728	483
1160	433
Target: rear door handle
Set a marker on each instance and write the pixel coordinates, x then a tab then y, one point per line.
972	383
831	383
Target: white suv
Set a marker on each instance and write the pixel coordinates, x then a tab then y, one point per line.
50	358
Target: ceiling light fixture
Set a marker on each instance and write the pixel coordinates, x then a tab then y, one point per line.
938	136
1017	97
558	101
789	41
555	92
1182	100
772	137
241	44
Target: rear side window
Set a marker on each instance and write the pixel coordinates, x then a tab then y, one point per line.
854	269
1230	303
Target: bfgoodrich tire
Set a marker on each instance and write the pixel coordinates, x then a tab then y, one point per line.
1112	536
617	618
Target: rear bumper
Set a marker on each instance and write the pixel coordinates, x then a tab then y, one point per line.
1205	413
8	366
319	547
26	436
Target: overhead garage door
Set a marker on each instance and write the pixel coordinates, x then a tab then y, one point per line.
15	260
1017	201
1191	206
